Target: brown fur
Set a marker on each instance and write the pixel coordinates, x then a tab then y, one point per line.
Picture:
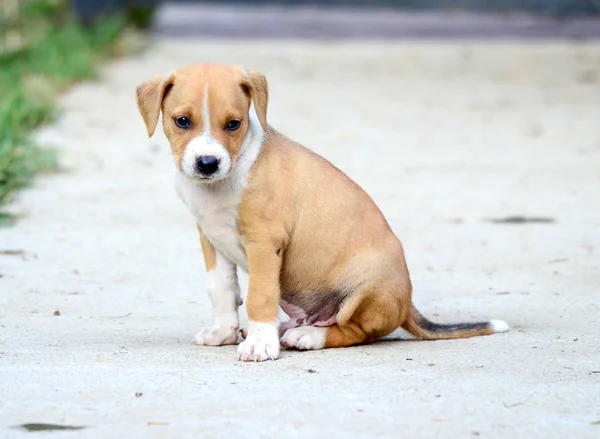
209	252
332	238
306	227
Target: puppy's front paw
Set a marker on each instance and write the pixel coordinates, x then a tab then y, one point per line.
304	338
216	336
262	343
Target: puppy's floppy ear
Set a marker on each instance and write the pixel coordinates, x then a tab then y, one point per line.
255	84
149	98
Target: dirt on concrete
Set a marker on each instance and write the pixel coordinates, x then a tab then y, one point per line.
102	280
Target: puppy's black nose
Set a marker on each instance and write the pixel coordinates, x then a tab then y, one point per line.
207	164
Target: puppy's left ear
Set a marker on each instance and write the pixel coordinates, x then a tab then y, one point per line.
255	84
149	97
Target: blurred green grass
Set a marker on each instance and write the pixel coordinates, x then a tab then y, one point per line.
52	51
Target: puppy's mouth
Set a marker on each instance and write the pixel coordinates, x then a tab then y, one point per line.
204	179
200	178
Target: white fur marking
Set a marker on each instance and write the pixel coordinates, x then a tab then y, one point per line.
214	205
205	145
305	337
206	112
499	325
224	293
262	342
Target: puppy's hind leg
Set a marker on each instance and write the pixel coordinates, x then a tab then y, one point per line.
306	338
363	318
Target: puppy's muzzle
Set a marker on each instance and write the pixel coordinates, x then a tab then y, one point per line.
207	165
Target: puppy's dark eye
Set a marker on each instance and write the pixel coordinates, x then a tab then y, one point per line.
183	122
232	125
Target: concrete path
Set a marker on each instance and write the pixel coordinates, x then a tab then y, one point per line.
449	139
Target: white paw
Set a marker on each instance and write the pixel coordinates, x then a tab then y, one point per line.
304	338
262	343
216	336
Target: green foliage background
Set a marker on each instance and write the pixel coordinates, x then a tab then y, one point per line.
43	49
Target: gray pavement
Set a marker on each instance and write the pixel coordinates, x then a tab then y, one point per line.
449	138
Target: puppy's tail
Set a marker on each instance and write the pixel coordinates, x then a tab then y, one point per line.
425	329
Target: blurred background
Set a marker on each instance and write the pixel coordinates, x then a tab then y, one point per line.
474	125
45	45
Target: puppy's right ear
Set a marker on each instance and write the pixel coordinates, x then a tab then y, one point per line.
150	95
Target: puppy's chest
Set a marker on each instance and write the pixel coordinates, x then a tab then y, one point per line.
215	213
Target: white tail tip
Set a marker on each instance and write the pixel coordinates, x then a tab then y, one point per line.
499	325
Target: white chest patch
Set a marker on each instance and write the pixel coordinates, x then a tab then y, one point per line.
215	205
215	212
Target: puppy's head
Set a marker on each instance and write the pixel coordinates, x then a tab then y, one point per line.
210	114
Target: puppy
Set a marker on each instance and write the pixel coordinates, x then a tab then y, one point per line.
311	240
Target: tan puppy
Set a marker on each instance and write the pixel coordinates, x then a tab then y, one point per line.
311	240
